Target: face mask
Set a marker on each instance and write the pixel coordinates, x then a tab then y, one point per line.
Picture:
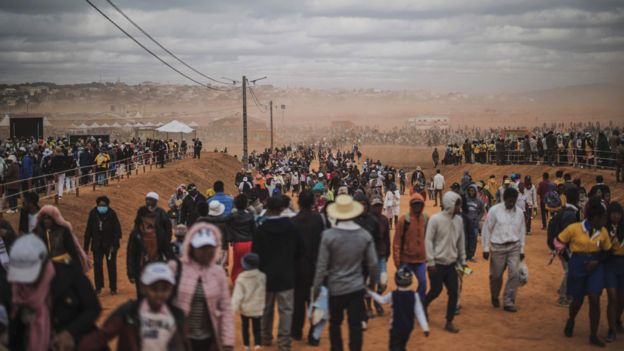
151	208
102	209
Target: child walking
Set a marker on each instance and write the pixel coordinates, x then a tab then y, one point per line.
150	323
249	296
406	307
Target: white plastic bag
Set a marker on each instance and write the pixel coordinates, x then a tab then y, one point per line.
524	273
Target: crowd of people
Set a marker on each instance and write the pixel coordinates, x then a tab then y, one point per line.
57	166
314	261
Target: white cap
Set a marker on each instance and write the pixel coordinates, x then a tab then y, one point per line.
215	208
152	195
155	272
26	258
204	237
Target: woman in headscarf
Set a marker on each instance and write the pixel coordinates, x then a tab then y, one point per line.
57	234
203	293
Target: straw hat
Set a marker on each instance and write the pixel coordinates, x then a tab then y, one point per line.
345	208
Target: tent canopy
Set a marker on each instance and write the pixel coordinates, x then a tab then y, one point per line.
175	127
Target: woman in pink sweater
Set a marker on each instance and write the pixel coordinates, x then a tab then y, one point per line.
203	293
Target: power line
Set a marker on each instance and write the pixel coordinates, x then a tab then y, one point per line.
151	52
260	106
161	46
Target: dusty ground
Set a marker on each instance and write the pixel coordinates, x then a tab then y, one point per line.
538	324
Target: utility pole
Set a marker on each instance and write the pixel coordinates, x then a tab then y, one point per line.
245	147
271	107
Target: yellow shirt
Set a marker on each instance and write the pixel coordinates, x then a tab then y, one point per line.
618	247
579	239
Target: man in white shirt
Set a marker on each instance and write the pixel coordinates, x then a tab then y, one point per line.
438	186
504	233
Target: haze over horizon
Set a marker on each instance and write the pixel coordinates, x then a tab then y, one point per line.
483	46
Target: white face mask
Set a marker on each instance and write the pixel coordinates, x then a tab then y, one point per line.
151	208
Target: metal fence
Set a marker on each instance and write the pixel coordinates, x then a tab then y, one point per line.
87	176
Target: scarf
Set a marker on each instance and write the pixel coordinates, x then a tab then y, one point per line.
34	297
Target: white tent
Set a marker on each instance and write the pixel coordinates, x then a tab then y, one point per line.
73	125
105	125
160	124
116	125
175	127
83	126
138	125
149	124
128	125
95	125
193	124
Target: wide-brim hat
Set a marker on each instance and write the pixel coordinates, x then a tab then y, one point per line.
345	208
215	208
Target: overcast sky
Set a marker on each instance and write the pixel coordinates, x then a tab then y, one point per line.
444	45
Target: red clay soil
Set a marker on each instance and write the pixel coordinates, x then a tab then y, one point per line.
538	325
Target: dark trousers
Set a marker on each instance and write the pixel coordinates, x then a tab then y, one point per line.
354	304
302	300
201	345
447	276
527	219
255	327
12	195
543	212
398	341
471	241
98	269
437	193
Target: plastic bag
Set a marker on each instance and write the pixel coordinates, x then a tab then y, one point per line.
524	273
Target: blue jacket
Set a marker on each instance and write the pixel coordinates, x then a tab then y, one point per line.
227	200
26	170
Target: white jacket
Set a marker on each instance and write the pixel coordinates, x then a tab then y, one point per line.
250	293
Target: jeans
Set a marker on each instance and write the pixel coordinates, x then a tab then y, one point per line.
505	256
354	304
445	275
420	271
437	193
98	269
285	301
527	219
255	325
398	341
471	241
301	302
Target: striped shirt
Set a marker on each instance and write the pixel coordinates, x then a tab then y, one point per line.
199	323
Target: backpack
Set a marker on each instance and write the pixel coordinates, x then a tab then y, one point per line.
552	200
406	224
554	228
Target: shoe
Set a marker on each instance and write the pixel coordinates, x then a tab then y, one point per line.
364	325
451	328
473	260
511	309
257	347
594	340
313	342
495	302
611	337
569	328
563	302
380	311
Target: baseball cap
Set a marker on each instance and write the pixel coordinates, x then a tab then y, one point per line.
155	272
203	237
26	258
152	195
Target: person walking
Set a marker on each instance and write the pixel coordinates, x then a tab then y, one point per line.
277	244
543	188
203	292
189	210
589	244
241	228
445	248
222	197
310	226
435	157
408	244
344	250
162	222
102	235
438	187
249	297
504	235
474	209
57	298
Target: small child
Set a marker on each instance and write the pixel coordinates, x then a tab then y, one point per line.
158	324
249	296
178	243
406	307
